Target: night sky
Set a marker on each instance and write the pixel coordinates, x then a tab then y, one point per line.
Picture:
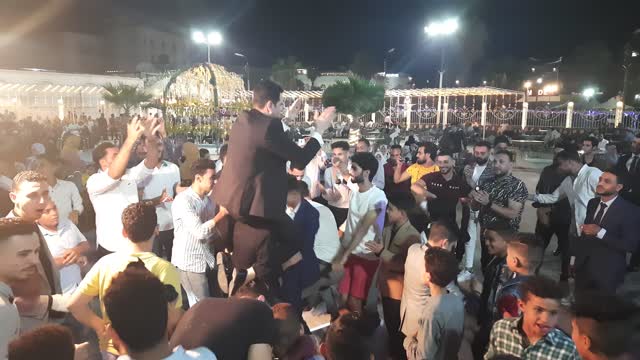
328	33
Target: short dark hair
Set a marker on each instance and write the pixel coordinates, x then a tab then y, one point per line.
501	227
16	226
508	153
136	305
430	148
294	184
443	229
530	244
139	221
395	147
542	287
253	289
100	151
566	155
365	141
265	91
441	265
204	153
340	144
402	200
592	140
344	339
42	342
483	143
367	162
445	153
501	139
223	151
27	176
614	322
200	166
304	189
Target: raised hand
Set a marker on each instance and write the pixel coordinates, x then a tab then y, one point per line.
294	109
324	120
164	197
135	129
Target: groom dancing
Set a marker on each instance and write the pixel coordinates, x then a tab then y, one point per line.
253	187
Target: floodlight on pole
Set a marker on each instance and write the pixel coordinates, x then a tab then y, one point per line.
539	81
442	28
213	38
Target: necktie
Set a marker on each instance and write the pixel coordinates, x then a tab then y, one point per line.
600	213
634	165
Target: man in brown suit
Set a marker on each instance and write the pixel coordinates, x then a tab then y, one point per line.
397	237
253	186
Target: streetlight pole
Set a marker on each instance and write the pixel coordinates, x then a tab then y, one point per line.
214	38
441	67
246	69
390	51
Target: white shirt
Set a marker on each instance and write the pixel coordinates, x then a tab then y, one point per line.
9	318
378	180
359	205
628	164
312	173
603	231
166	176
192	224
292	212
67	198
579	192
327	242
109	198
477	172
67	237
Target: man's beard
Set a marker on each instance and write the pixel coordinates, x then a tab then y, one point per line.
605	193
421	162
357	179
481	161
445	171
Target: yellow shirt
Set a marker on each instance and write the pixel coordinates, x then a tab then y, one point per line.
98	279
417	171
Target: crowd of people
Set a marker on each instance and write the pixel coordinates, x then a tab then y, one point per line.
145	256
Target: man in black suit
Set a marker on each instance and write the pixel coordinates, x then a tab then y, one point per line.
629	167
253	185
609	232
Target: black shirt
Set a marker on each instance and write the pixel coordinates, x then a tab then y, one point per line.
225	326
549	181
448	193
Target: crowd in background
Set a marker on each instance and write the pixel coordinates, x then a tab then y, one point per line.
124	250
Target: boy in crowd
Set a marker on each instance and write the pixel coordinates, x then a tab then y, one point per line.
139	226
524	253
496	273
67	244
605	327
440	333
534	334
137	304
366	209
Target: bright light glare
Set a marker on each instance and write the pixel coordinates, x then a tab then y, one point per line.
527	84
635	54
446	27
539	81
550	89
589	92
198	37
214	38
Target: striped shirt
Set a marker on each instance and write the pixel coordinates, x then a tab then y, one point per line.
192	220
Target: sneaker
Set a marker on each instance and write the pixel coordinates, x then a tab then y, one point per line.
464	276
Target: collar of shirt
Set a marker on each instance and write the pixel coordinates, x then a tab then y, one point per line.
292	212
608	203
6	292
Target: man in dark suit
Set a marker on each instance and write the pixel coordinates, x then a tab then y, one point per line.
609	232
253	185
629	167
307	222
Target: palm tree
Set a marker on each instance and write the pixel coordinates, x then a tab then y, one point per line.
125	96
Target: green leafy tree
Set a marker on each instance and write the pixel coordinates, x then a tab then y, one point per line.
285	72
355	97
125	96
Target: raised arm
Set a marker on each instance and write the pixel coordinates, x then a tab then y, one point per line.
368	220
398	175
135	128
